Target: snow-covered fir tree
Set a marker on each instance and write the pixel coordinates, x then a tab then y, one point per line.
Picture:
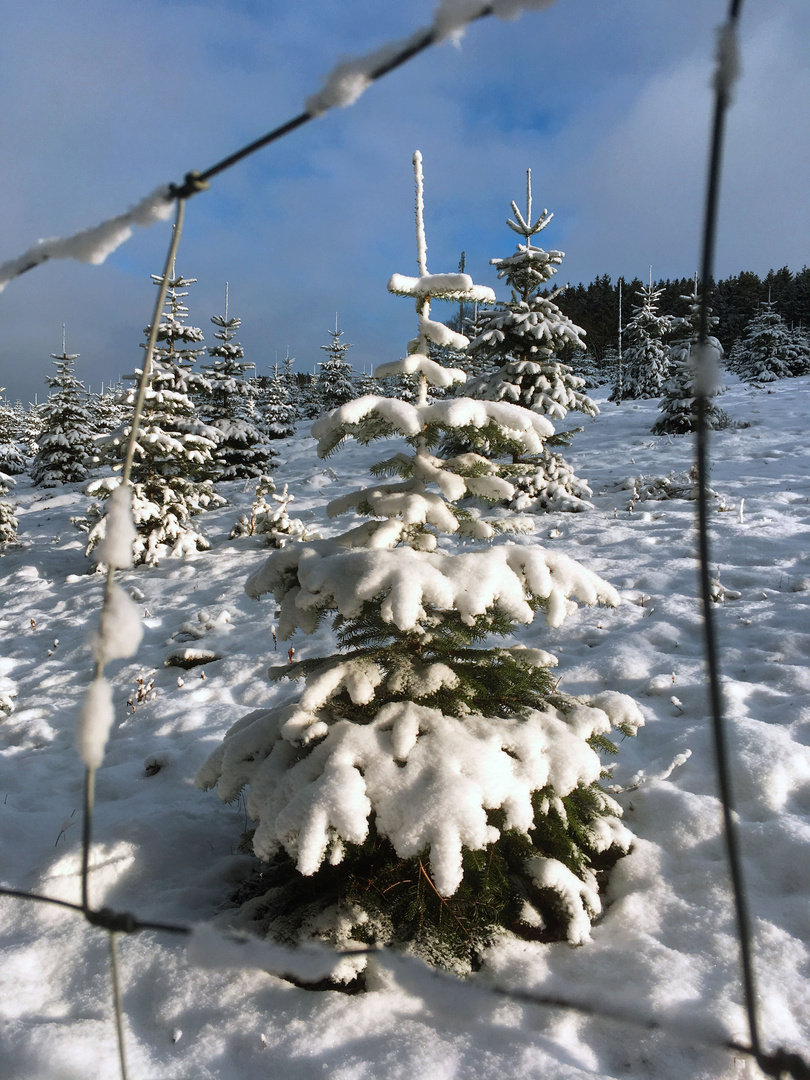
30	426
769	349
588	369
173	459
645	360
679	403
292	387
335	381
428	786
109	409
276	415
526	337
65	444
8	519
608	367
231	406
12	460
271	520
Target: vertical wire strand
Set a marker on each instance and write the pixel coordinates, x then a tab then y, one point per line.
115	975
722	102
90	772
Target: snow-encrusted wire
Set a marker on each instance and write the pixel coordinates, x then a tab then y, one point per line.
344	84
118	636
209	947
726	72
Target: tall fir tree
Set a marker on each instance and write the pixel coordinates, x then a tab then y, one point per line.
242	449
173	460
109	409
12	461
276	413
645	360
529	335
8	519
769	349
428	786
64	445
679	404
335	380
526	337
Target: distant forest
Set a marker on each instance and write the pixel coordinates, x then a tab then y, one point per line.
735	301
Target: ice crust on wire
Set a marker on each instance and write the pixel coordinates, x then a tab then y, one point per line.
94	722
115	549
351	77
121	630
95	244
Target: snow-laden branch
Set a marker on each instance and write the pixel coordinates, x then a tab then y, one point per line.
411	583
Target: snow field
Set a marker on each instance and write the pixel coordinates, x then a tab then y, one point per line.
665	942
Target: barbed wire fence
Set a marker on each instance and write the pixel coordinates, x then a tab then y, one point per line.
311	963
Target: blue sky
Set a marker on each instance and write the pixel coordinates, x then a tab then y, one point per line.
607	101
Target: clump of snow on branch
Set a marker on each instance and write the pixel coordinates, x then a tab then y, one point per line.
579	897
92	245
419	364
411	582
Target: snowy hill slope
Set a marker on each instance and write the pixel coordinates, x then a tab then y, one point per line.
665	943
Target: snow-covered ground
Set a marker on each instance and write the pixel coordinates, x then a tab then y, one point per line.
665	945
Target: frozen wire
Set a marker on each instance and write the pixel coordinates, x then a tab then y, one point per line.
725	73
94	245
90	771
776	1064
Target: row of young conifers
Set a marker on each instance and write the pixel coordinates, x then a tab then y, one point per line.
428	786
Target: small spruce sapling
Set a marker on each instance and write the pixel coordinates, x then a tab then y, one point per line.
645	361
242	449
679	403
526	338
12	461
271	520
427	787
769	350
276	415
65	442
8	519
173	460
335	379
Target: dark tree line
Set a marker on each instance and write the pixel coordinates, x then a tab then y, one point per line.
735	301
